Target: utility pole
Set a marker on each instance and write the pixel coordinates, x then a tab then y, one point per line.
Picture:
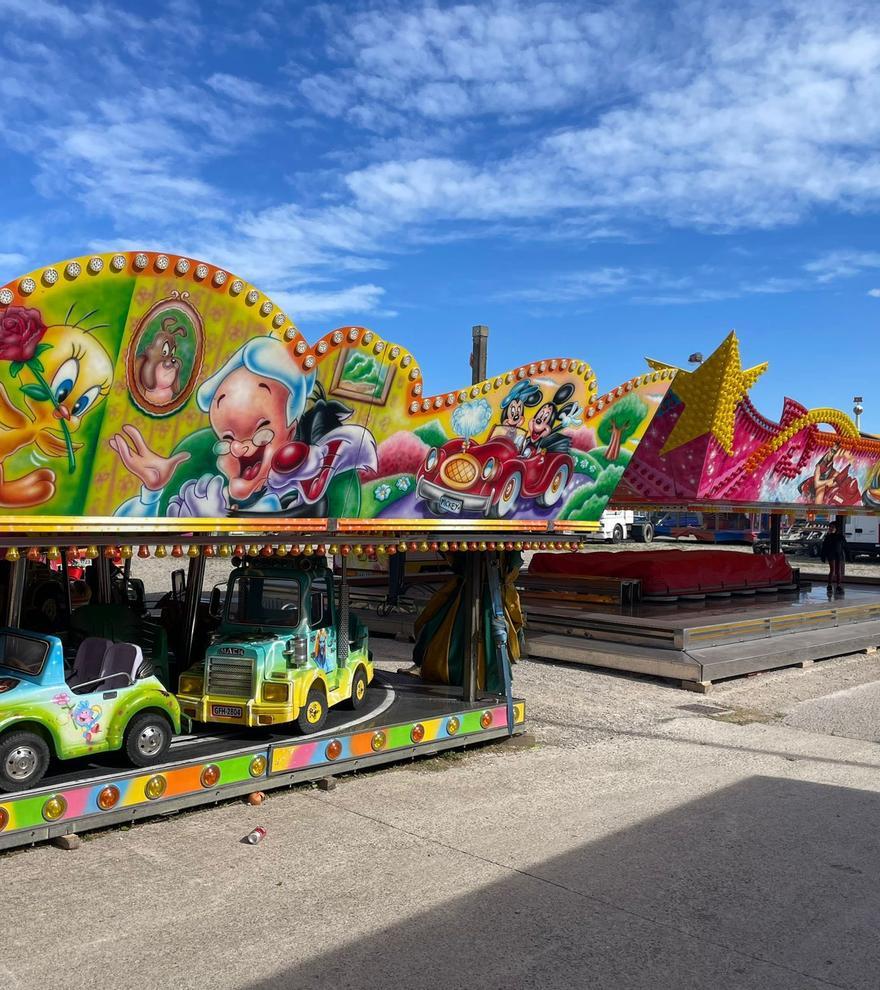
479	352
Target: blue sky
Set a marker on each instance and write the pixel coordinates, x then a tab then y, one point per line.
606	181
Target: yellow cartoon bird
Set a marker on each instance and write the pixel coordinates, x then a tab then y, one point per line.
65	377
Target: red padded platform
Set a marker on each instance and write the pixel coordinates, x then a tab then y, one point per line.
671	572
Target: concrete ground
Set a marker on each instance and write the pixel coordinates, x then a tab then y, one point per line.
643	838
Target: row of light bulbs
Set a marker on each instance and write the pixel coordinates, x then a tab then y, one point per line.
72	554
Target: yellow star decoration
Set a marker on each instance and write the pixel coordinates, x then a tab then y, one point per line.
710	396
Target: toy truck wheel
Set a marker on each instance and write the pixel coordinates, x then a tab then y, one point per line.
358	690
147	739
24	759
313	713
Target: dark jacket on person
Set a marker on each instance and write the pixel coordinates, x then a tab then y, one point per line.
833	547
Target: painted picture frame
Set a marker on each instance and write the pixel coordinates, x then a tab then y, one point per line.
165	355
362	377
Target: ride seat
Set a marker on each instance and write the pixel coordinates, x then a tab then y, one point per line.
121	658
90	659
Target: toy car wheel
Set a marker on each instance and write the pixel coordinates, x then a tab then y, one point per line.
508	496
358	689
313	713
24	758
147	739
617	534
647	533
556	487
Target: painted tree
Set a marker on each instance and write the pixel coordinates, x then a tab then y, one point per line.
619	424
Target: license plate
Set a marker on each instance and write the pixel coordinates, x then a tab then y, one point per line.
448	504
227	711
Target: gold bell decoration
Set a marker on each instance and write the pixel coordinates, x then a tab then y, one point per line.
54	553
193	550
125	552
253	550
225	550
160	551
13	554
282	550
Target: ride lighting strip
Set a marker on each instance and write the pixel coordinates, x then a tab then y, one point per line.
267	527
77	807
407	735
78	802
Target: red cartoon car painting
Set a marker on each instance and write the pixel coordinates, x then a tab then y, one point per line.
487	479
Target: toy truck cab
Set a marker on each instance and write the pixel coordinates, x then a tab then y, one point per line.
279	654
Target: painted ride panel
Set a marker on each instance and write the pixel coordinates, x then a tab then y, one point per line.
143	386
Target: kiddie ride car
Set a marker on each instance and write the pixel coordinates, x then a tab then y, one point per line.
276	656
487	478
110	700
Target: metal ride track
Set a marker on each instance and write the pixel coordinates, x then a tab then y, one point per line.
404	718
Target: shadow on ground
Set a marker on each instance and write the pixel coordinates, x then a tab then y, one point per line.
770	884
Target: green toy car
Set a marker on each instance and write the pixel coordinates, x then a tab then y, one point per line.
110	700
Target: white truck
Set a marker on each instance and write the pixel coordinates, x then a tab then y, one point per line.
618	525
863	535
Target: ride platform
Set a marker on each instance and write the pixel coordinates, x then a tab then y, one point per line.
711	637
404	719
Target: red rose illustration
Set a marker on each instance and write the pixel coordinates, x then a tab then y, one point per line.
21	330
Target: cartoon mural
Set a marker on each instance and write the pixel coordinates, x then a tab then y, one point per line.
218	408
708	443
143	385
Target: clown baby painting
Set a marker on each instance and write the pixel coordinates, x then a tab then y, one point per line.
274	444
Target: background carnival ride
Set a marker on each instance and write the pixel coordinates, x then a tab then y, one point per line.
149	399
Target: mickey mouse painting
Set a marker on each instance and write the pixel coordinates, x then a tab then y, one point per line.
554	416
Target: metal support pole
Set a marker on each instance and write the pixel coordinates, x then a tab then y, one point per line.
479	353
342	643
194	580
775	534
16	592
103	564
472	630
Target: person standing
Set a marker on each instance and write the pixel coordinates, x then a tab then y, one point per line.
834	554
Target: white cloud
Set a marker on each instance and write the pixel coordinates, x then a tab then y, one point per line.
764	119
874	292
245	91
499	57
842	263
312	303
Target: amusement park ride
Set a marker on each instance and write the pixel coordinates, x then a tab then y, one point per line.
149	400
